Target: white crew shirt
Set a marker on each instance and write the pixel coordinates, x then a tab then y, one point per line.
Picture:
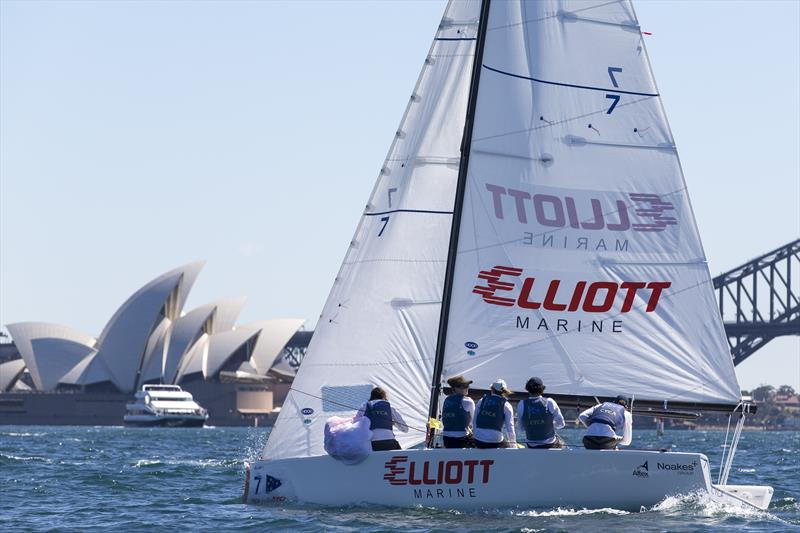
469	406
552	408
604	430
385	434
491	435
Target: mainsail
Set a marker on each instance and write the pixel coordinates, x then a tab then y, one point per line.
577	257
579	260
378	326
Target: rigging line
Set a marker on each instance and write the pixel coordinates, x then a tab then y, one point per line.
455	228
384	363
349	407
454	39
572	85
555	15
425	211
428	160
556	122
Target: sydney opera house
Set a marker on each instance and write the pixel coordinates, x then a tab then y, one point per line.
53	374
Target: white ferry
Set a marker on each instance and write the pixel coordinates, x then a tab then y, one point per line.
164	405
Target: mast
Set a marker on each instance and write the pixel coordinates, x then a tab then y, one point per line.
466	143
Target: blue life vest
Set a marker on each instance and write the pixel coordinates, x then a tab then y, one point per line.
610	414
454	416
379	413
491	414
538	420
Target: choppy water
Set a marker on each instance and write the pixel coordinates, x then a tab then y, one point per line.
77	478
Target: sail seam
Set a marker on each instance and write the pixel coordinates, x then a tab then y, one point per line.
572	85
392	260
425	211
551	124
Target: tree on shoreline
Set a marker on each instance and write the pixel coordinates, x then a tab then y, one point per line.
763	393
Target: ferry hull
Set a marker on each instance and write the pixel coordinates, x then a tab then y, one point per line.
168	422
480	479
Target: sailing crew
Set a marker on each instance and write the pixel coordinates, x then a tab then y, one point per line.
540	417
458	410
382	418
494	419
604	420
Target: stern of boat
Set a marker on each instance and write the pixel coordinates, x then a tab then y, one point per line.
758	496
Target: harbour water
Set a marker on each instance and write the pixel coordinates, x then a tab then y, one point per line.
113	478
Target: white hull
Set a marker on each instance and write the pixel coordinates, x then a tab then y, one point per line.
479	479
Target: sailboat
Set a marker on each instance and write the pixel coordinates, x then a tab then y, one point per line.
530	219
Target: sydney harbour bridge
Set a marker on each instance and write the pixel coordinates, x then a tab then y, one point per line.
760	300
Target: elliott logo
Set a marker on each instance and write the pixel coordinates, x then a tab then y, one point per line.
431	478
642	470
652	213
436	472
585	296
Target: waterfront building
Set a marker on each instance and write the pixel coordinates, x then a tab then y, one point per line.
240	373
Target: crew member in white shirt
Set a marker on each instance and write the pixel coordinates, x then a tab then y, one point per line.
539	417
604	421
494	419
382	419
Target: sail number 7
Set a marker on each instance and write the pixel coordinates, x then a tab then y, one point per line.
385	221
613	97
614	101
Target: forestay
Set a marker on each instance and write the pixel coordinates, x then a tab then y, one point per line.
579	260
378	326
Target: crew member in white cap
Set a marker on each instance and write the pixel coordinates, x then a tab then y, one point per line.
495	417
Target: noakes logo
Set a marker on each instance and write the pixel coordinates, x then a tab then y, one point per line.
550	295
681	469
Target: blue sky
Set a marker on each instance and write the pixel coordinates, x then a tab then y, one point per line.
138	136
